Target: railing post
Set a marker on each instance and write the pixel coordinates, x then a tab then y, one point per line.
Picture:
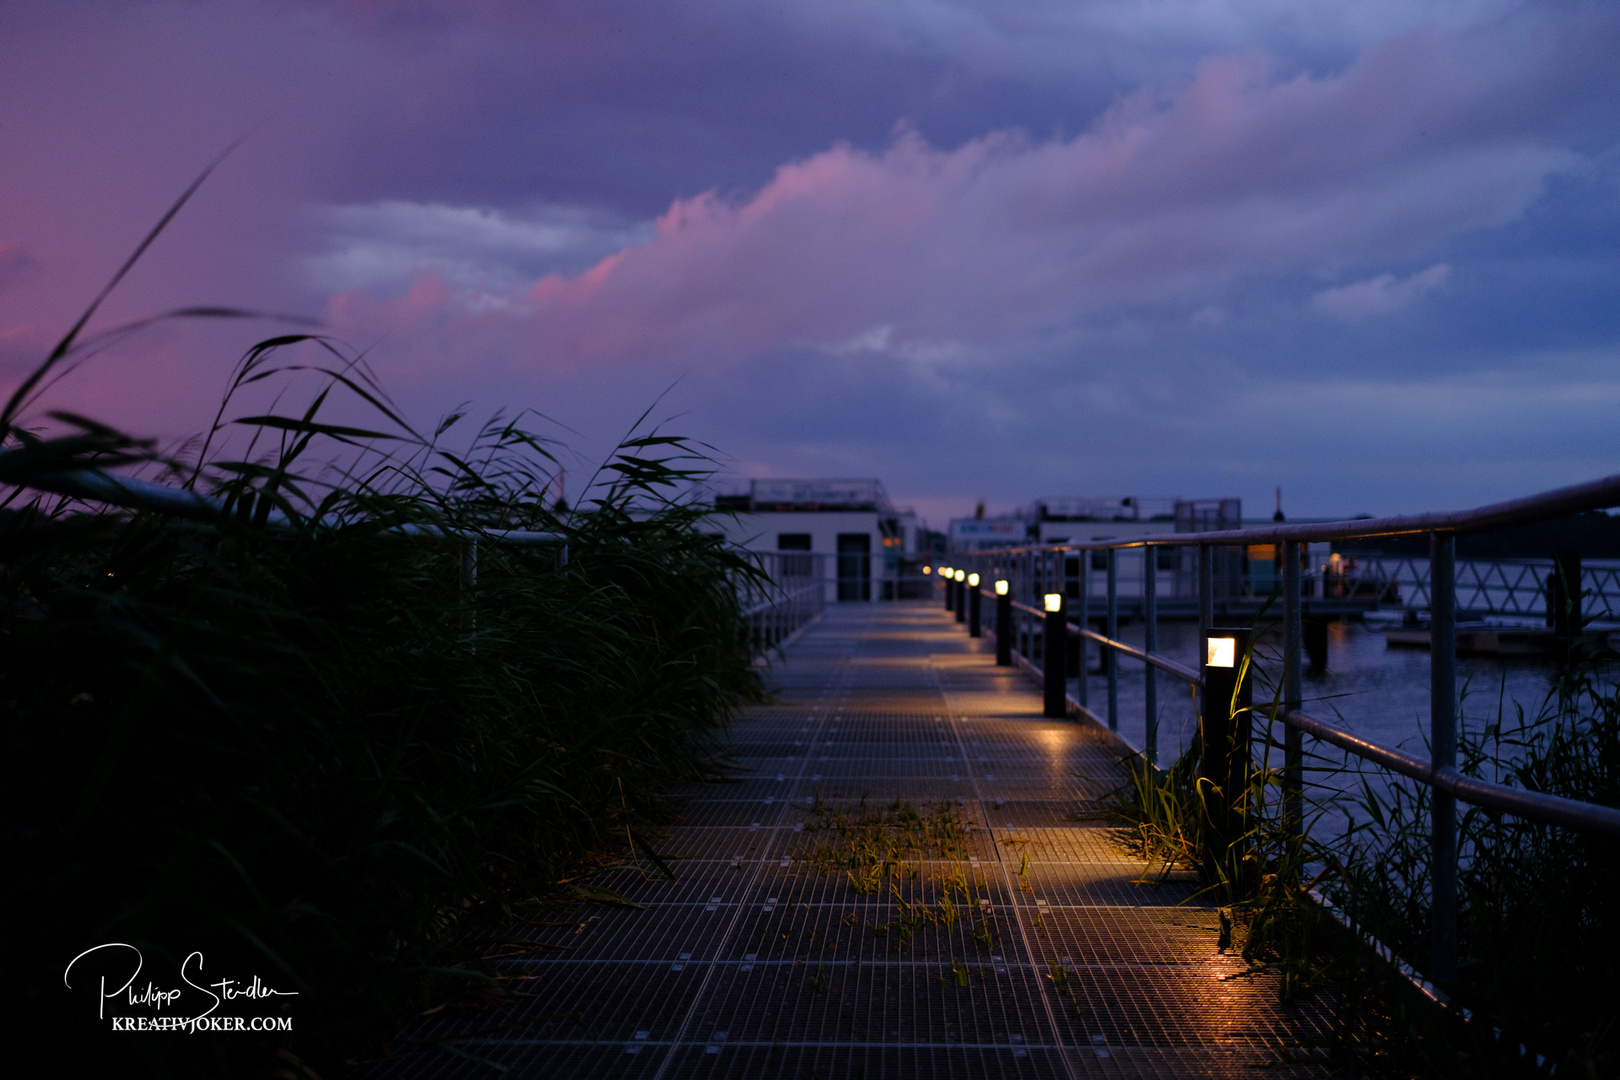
1206	588
1564	596
1150	618
1055	652
469	564
974	602
1443	745
1026	589
1003	623
469	583
1206	611
1083	617
1113	635
1293	697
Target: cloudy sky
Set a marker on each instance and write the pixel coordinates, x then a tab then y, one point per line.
984	249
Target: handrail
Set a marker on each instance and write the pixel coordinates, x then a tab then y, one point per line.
1535	805
1594	495
127	491
1035	569
95	485
767	605
1164	663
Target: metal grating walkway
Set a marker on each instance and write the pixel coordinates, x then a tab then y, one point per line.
899	887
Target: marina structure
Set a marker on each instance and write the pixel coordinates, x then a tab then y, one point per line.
846	532
1242	573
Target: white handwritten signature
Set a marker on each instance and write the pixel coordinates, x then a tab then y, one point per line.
155	997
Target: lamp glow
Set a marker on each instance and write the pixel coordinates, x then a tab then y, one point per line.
961	575
1001	588
1054	601
1222	652
928	569
973	580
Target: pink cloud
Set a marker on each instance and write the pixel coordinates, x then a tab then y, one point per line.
1239	173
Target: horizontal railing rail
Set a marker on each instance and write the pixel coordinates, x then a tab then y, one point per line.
1163	663
1028	573
1535	805
792	593
778	613
1578	498
93	485
795	594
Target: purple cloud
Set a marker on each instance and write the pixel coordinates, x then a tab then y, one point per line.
980	249
1163	200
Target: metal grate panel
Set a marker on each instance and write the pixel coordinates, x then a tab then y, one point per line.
767	958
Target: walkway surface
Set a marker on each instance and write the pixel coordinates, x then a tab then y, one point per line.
905	884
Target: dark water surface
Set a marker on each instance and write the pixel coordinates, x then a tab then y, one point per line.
1377	692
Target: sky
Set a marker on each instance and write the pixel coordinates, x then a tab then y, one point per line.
980	249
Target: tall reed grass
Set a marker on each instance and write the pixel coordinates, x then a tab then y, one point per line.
1539	906
305	742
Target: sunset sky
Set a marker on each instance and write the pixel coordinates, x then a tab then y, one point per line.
980	249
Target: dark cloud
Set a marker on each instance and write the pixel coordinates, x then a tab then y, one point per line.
980	249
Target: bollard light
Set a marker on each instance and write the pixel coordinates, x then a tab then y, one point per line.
1004	626
961	575
1226	722
1054	658
928	569
975	598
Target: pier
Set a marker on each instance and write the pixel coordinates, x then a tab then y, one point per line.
909	877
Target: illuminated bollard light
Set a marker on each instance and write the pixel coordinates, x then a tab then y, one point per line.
961	595
973	605
1003	625
1228	727
950	588
1055	651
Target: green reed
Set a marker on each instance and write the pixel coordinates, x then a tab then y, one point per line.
319	751
1539	906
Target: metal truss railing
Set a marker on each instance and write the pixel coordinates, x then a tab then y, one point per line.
1484	586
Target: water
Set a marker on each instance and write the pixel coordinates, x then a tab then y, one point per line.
1370	689
1374	691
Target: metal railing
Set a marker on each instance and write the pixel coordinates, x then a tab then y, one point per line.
792	594
1034	572
1483	586
93	485
1356	579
